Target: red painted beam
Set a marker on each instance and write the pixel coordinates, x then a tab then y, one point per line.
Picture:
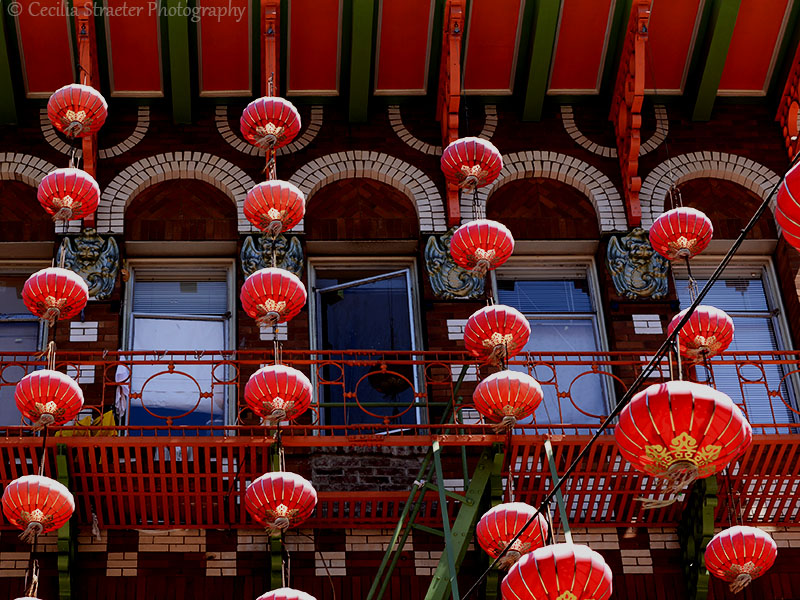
789	109
626	107
270	33
87	61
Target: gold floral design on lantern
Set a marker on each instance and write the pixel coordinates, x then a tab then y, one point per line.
682	448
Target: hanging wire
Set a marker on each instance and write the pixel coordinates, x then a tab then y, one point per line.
642	377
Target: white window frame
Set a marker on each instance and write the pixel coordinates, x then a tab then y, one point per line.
175	267
360	263
26	268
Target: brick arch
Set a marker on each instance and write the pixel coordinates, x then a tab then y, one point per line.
30	170
596	186
222	174
24	167
354	164
695	165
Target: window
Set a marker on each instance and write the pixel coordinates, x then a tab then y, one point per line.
363	307
184	311
19	334
748	293
559	301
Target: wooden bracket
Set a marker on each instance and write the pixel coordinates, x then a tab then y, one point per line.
88	75
789	109
270	32
626	107
449	95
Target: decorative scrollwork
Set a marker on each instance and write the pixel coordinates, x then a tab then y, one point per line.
93	257
448	280
636	269
257	254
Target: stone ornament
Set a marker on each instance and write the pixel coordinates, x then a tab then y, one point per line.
257	254
637	270
95	258
448	280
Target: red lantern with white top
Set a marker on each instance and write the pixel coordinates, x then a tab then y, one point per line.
787	207
272	296
286	594
481	245
68	194
500	524
55	293
681	233
270	122
471	162
559	572
708	332
77	110
37	505
740	554
280	500
507	396
681	431
48	398
278	393
274	206
496	332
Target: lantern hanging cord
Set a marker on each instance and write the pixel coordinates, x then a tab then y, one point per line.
32	576
642	377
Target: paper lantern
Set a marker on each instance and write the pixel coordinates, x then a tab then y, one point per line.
286	594
68	194
270	122
507	396
272	296
708	332
739	555
500	524
278	393
77	110
48	397
37	505
681	233
559	572
54	294
481	246
280	500
471	162
274	206
496	332
787	206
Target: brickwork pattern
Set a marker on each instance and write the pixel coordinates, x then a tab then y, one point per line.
308	135
653	142
396	121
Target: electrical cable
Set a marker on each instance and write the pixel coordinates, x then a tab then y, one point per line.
626	398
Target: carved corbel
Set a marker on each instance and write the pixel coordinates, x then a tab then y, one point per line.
448	280
638	271
93	257
257	252
789	109
626	107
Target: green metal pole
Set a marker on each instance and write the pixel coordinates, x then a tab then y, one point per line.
448	538
562	509
65	538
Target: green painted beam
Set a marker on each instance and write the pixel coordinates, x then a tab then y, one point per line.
8	107
544	41
720	31
695	532
463	527
361	59
66	546
496	493
179	62
275	543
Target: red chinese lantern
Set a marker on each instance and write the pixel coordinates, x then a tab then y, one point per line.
48	397
708	332
506	396
280	500
278	393
481	245
270	122
37	505
68	194
286	594
272	296
496	332
274	206
559	572
471	162
55	293
681	431
739	555
77	110
500	524
787	209
681	233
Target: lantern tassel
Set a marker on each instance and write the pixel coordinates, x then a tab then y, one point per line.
481	268
509	559
274	228
51	315
742	581
507	424
44	420
278	526
498	354
63	214
269	319
679	475
31	532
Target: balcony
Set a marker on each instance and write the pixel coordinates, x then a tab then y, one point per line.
186	464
